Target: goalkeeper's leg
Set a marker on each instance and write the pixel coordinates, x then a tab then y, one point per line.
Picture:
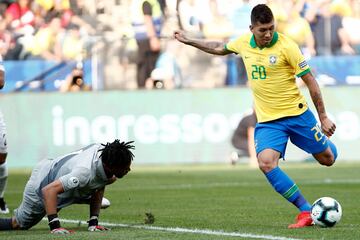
3	181
8	224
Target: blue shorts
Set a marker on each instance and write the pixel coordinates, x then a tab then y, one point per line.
303	131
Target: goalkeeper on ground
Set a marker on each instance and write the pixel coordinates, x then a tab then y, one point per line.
73	178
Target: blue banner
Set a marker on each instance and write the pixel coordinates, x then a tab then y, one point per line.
336	70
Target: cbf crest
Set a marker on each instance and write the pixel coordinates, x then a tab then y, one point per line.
272	59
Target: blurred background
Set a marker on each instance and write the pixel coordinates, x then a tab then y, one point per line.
81	71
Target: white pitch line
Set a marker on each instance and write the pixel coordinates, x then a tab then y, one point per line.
184	230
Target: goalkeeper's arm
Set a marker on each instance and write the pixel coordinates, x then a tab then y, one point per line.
50	193
95	206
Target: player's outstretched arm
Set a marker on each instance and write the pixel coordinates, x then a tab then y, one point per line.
212	47
50	193
327	126
95	202
95	205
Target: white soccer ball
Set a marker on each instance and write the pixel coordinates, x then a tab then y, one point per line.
326	212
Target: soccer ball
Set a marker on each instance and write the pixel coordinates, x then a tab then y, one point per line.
326	212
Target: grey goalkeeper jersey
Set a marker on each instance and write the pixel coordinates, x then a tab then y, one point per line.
81	174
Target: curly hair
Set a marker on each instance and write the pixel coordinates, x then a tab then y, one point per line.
261	13
117	154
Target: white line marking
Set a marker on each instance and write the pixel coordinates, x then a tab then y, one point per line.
184	230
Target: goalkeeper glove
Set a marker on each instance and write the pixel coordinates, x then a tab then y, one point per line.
61	231
55	227
93	225
97	228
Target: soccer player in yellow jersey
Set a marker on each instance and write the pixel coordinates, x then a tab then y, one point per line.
272	61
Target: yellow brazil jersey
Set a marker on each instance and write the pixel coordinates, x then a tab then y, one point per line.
271	72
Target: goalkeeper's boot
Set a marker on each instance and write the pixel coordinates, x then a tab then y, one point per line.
3	207
105	203
303	219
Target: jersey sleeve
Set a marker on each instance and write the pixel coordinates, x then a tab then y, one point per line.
2	68
234	46
77	178
296	59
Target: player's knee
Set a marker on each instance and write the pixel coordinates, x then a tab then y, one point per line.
2	158
326	159
268	160
14	224
327	162
266	165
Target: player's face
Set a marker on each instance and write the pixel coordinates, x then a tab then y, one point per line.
117	172
263	33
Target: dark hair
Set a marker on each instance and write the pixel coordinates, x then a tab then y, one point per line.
261	13
117	154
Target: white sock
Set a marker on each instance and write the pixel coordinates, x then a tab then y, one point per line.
3	178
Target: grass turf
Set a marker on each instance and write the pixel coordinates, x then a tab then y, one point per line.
216	197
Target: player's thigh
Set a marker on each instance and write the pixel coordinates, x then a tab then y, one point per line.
31	210
271	135
305	133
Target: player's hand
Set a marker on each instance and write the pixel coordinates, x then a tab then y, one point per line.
328	127
180	36
97	228
61	231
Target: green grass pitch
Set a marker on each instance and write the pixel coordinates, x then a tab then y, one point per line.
207	202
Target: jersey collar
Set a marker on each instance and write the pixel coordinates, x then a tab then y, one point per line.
100	168
273	41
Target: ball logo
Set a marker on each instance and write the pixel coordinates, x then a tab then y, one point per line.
316	213
73	182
